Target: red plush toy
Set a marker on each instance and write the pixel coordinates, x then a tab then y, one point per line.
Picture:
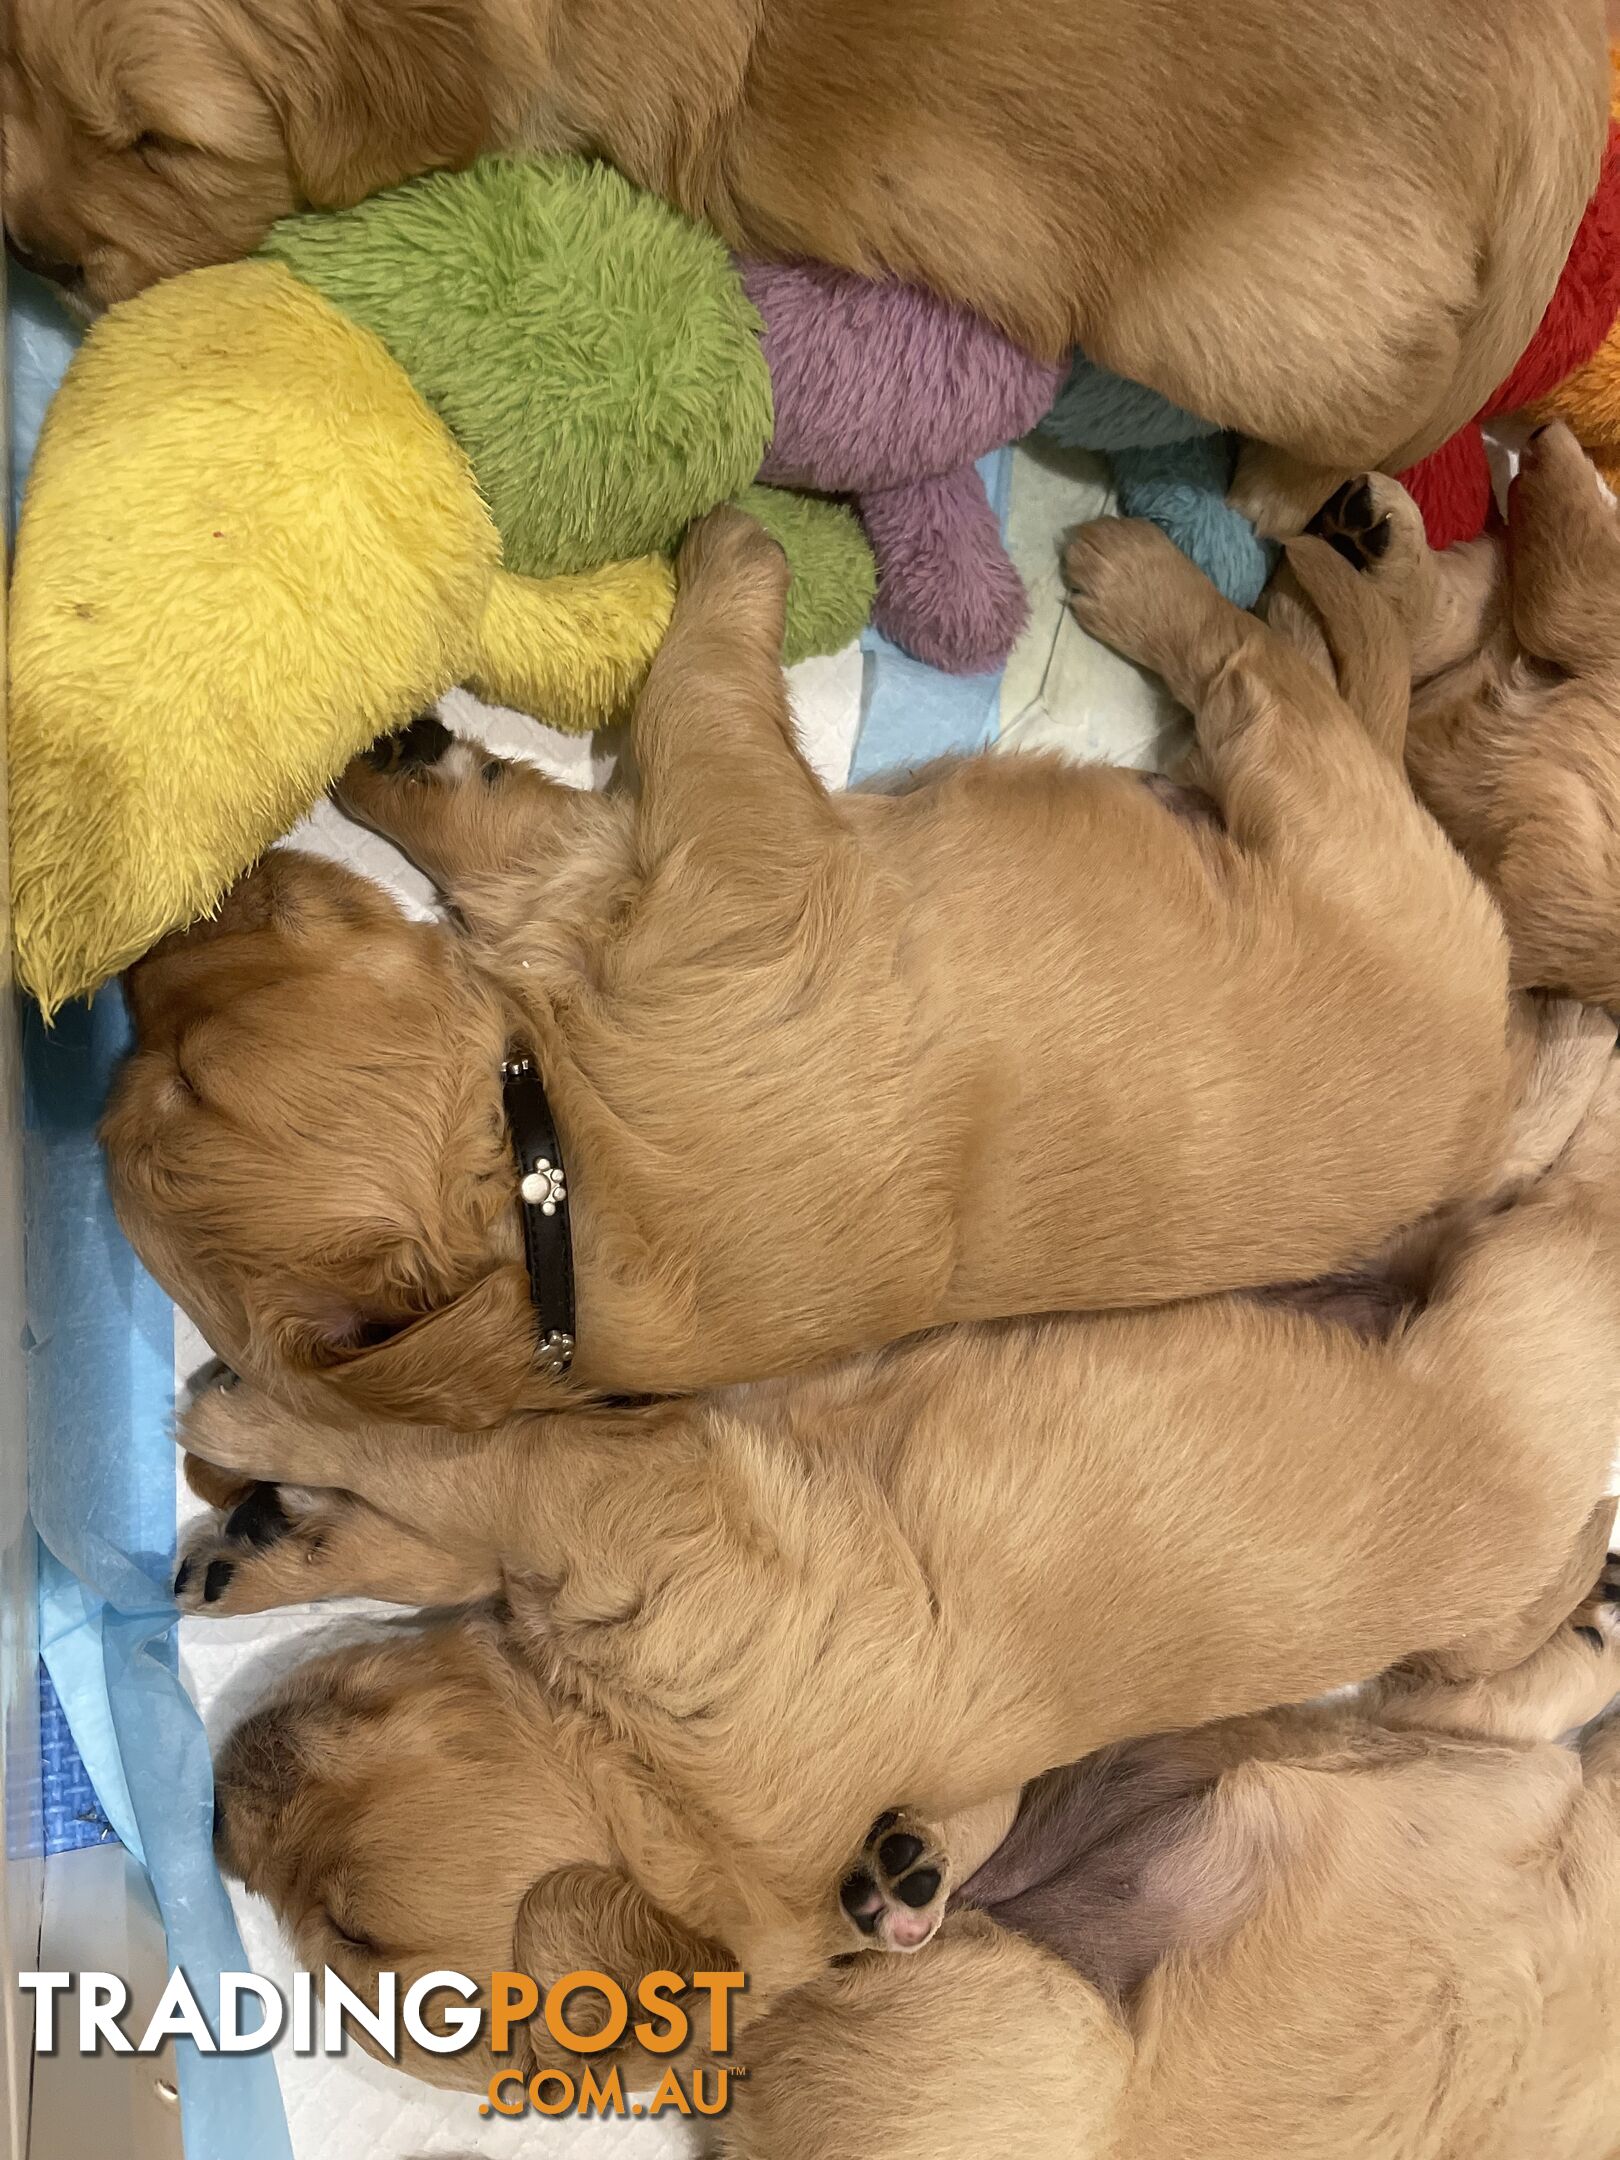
1452	486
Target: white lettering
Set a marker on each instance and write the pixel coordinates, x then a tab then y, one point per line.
103	1998
461	2025
232	1987
44	1987
177	2017
339	2000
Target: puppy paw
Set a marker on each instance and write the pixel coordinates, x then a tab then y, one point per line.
894	1896
413	751
1128	584
423	755
258	1555
728	545
1376	526
245	1432
1352	524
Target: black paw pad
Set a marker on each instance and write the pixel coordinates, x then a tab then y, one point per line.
857	1893
414	749
900	1852
218	1580
182	1577
1591	1636
260	1519
1349	522
919	1888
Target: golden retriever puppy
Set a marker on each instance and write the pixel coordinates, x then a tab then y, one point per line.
762	1669
1386	1931
1334	231
1513	738
826	1069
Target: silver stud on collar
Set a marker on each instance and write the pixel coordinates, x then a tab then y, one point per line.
556	1353
544	1188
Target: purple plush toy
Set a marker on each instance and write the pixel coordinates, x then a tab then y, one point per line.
888	395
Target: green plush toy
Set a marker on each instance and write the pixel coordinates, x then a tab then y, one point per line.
597	359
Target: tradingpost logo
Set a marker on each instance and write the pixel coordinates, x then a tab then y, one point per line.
443	2013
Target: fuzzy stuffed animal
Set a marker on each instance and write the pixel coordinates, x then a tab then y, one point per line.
889	396
450	435
876	392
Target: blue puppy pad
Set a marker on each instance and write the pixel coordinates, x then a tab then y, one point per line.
102	1490
102	1476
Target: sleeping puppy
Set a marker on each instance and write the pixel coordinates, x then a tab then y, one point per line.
1333	231
826	1069
762	1669
1390	1929
1513	738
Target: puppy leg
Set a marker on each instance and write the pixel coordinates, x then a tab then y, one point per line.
978	2000
458	811
1562	1051
1569	1681
1449	603
449	1488
294	1545
1299	779
723	780
1529	1312
1565	557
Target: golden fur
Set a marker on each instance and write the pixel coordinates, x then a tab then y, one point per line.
1513	738
827	1069
1334	231
718	1639
1423	1966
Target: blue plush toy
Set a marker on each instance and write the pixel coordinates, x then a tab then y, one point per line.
1169	467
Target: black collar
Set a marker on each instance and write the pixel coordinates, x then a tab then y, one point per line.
548	1243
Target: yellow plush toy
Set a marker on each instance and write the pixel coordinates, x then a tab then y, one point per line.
345	526
277	508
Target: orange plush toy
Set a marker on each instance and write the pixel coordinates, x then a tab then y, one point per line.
1570	372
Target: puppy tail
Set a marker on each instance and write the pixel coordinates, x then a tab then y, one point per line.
1372	654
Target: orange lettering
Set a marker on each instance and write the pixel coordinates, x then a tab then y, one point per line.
573	1984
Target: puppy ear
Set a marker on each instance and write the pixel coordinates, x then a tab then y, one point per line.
594	1919
286	900
298	894
465	1366
402	87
